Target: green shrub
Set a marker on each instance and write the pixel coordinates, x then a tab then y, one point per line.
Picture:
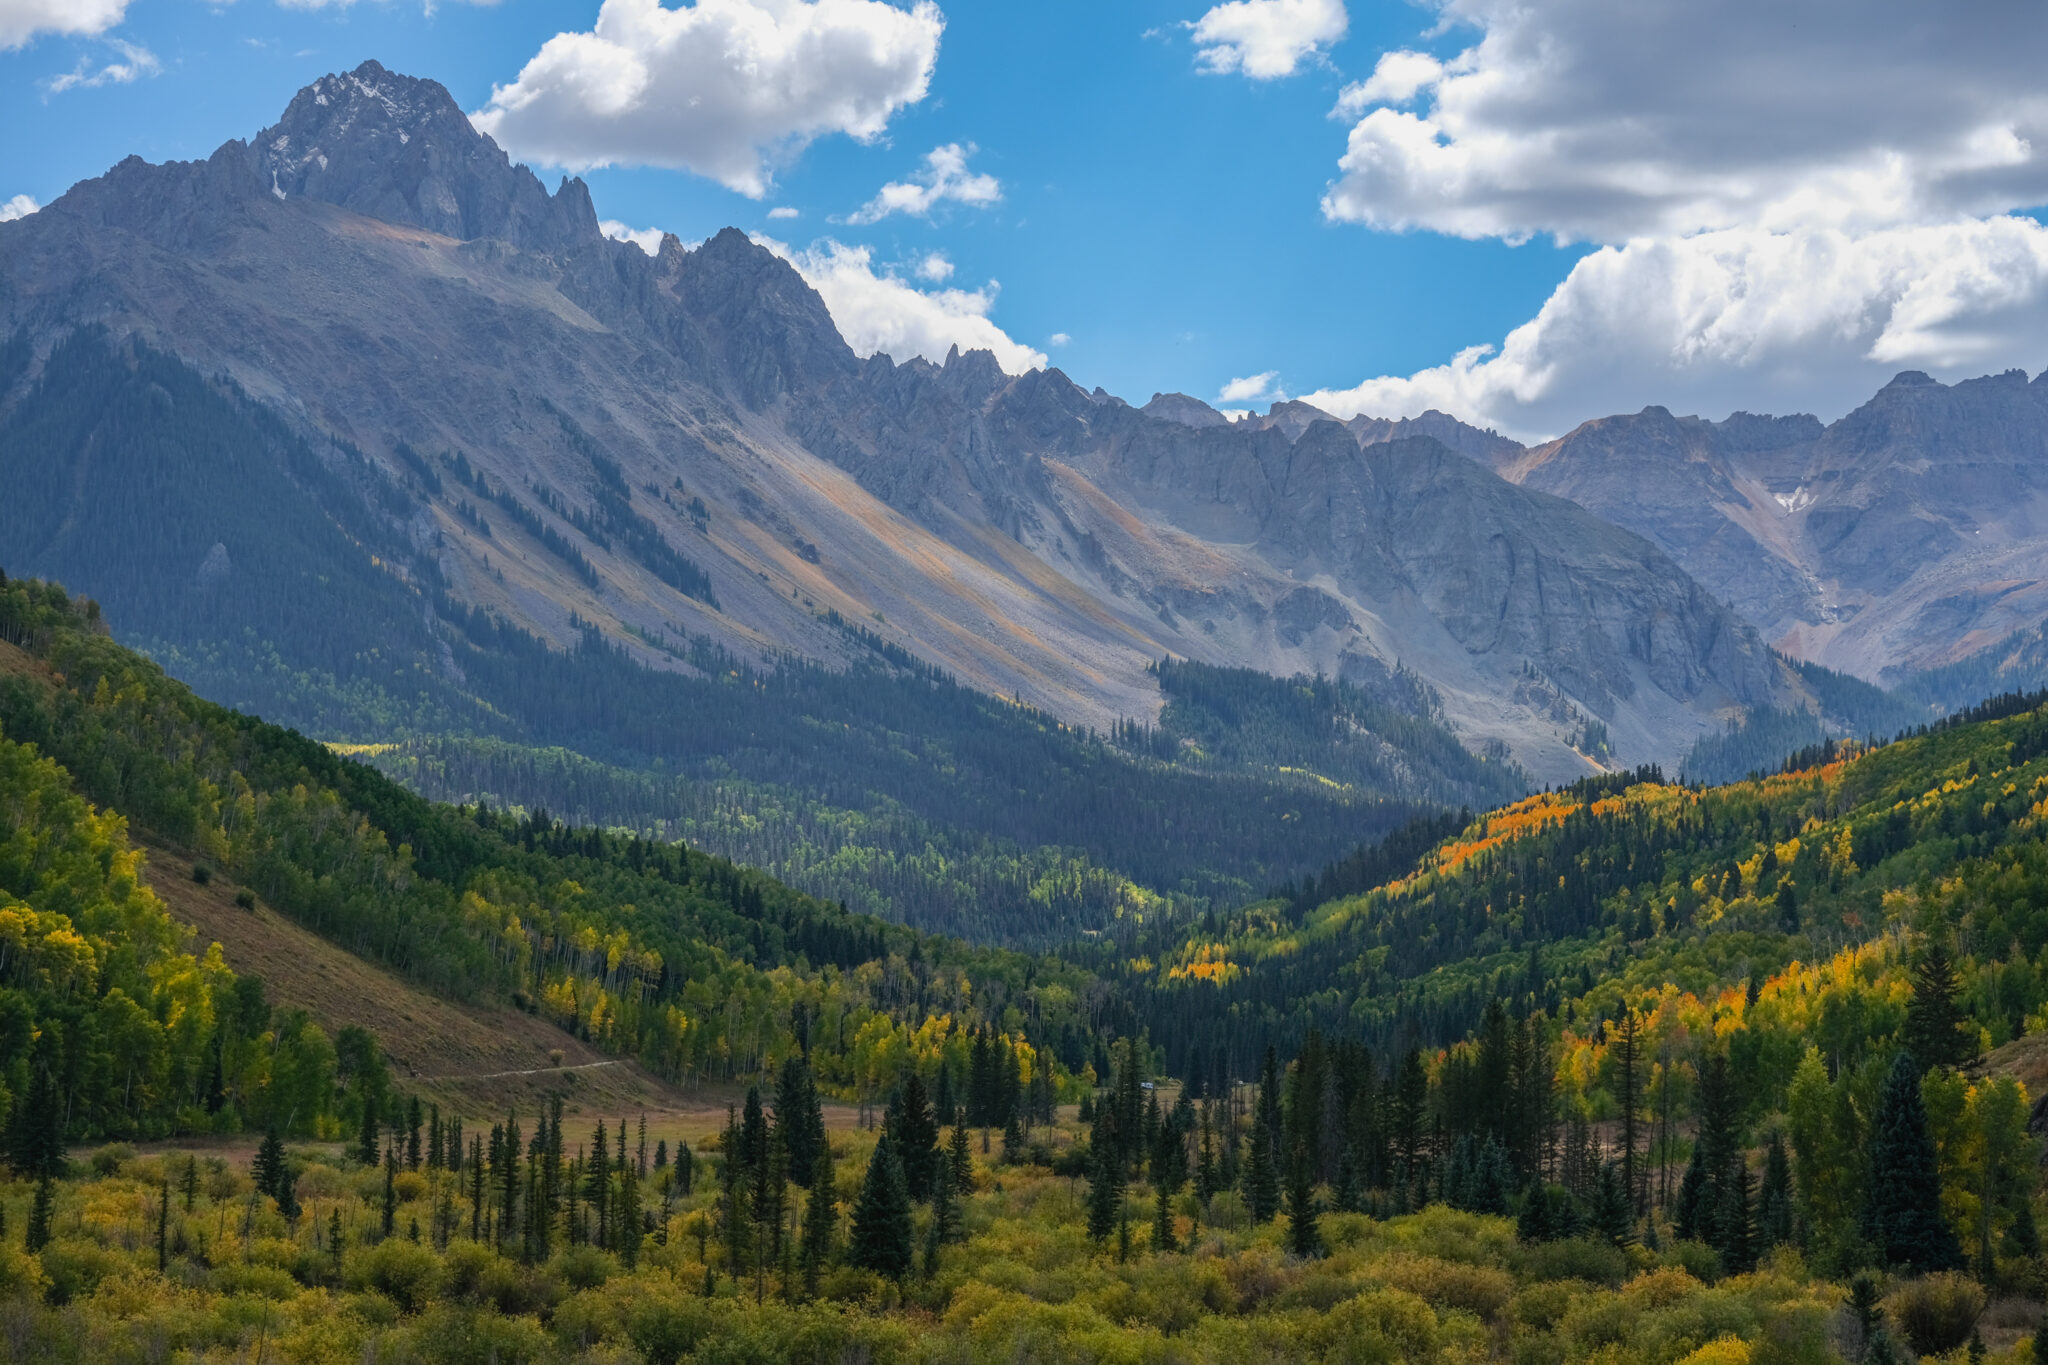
1936	1312
73	1266
109	1159
1575	1259
407	1273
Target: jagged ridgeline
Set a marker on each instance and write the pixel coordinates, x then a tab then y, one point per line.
884	784
691	965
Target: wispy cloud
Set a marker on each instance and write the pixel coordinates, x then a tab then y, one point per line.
134	62
944	178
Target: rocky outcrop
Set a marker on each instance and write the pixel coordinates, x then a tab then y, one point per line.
1906	534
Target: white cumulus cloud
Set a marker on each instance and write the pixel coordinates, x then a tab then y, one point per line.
935	267
1792	200
1266	39
782	211
1744	318
876	310
724	88
20	206
1058	339
21	20
1597	122
130	63
944	177
1252	388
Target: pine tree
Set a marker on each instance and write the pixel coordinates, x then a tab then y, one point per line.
1206	1174
368	1143
269	1172
1013	1141
1261	1176
821	1217
881	1237
597	1182
913	1132
476	1189
40	1214
1774	1200
390	1190
1695	1198
1867	1311
1162	1223
163	1226
508	1182
627	1220
1105	1191
413	1120
960	1158
1628	1038
1612	1216
1937	1031
1304	1239
1902	1217
437	1153
1735	1230
1348	1192
35	1129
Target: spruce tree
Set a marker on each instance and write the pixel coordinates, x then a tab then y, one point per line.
508	1182
1695	1198
367	1141
35	1129
1013	1141
40	1214
1774	1200
1162	1222
881	1237
1304	1239
1612	1216
1105	1191
413	1119
1348	1192
269	1172
1902	1218
821	1218
960	1159
913	1133
1937	1031
626	1241
390	1221
1735	1230
1261	1176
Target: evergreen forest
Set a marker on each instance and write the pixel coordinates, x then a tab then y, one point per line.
1635	1070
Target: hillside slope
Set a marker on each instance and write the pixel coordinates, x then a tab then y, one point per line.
700	971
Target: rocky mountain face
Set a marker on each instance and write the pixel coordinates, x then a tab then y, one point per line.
681	445
1907	535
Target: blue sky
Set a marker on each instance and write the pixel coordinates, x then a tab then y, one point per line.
1185	228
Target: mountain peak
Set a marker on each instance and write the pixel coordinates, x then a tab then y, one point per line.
399	148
